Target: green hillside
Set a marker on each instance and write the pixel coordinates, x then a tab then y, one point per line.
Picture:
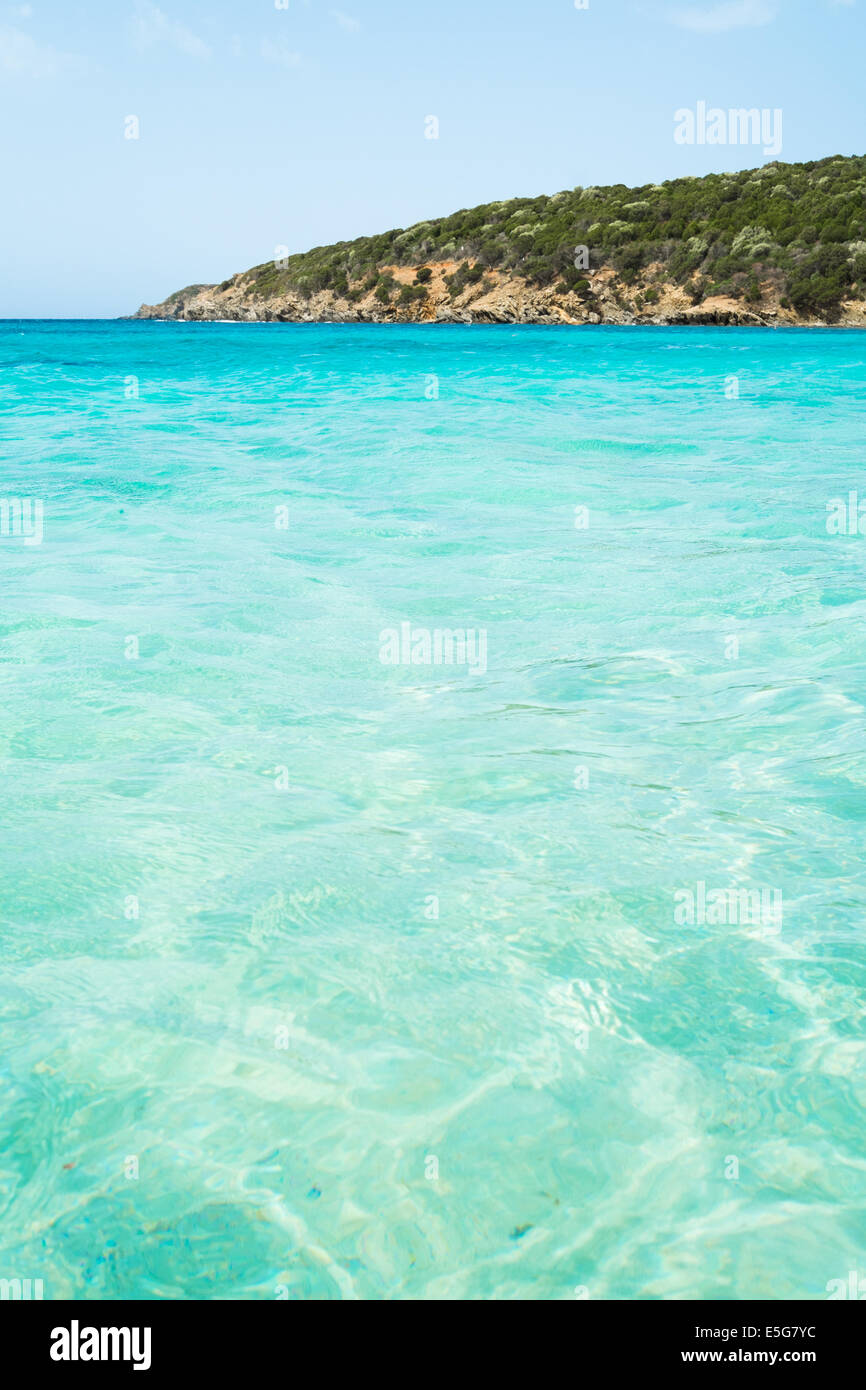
800	228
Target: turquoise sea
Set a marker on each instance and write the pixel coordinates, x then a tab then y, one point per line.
325	976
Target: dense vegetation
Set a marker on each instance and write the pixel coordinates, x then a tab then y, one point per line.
797	229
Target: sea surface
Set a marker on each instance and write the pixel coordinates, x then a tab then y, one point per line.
328	976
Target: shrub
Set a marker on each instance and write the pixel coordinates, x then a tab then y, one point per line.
384	287
629	257
815	294
411	294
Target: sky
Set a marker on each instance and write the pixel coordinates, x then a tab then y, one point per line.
271	123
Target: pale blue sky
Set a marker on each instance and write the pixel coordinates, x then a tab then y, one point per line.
262	126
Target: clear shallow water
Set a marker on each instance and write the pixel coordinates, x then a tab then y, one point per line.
284	1038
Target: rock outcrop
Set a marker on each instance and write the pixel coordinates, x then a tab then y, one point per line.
503	299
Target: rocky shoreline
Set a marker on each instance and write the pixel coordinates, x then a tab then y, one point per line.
498	299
